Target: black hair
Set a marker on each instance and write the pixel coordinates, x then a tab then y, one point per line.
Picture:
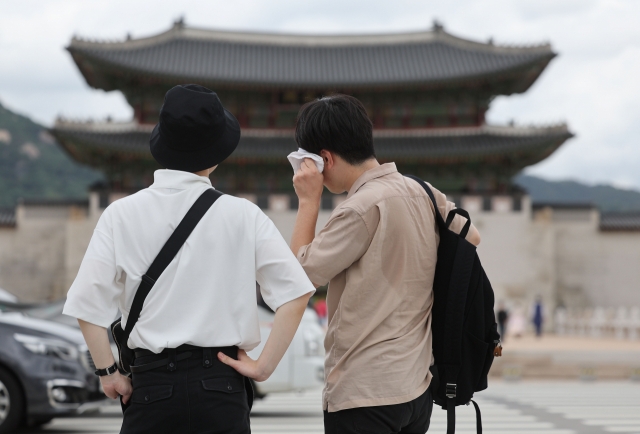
336	123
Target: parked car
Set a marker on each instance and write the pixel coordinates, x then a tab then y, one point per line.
45	371
302	366
7	296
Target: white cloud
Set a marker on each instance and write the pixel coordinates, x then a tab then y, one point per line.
592	84
541	9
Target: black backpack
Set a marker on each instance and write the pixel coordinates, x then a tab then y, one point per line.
463	321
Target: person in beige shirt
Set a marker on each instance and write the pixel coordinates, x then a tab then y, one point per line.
378	253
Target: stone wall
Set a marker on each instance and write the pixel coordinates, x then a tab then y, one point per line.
35	255
558	254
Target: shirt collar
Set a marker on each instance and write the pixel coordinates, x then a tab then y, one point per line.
165	178
376	172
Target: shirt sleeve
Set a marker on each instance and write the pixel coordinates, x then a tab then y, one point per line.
279	274
94	293
444	206
343	241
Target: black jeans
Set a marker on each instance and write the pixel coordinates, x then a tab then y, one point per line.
191	399
412	417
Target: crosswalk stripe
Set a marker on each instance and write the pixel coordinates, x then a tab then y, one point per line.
507	408
608	422
631	429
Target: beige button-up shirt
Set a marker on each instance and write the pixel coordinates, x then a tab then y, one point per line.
378	252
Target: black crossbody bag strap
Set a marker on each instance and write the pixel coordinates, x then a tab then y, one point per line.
168	252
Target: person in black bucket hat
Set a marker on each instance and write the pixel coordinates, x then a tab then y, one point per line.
185	341
194	132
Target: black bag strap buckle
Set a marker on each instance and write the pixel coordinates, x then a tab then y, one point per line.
451	390
148	280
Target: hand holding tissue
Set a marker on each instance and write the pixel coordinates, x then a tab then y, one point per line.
296	159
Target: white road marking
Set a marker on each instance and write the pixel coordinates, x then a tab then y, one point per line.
507	408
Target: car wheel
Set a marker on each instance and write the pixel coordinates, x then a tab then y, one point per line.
11	403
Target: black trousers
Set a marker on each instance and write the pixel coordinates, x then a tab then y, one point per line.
412	417
192	396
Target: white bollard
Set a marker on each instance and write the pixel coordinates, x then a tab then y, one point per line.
585	321
609	326
620	322
597	322
576	319
561	321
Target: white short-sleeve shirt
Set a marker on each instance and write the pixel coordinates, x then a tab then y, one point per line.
207	295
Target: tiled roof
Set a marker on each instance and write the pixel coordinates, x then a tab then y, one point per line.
219	57
447	145
7	218
627	221
56	202
111	137
565	206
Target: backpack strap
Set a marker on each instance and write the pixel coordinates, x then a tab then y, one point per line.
451	415
439	219
467	225
456	300
454	320
167	253
478	417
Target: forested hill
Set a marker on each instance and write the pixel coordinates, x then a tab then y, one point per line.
33	166
605	197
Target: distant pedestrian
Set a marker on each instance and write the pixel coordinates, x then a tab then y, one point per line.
503	317
538	318
320	306
517	322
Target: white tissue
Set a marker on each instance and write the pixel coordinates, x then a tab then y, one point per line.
296	159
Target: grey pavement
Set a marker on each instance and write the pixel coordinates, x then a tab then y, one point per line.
507	408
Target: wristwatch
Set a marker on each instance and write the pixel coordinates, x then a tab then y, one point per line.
497	351
110	370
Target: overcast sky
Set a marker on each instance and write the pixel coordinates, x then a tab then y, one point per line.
593	85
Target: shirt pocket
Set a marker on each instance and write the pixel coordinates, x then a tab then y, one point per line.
149	394
224	385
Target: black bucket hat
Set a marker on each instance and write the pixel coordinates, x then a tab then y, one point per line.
194	132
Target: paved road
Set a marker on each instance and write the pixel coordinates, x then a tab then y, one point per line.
518	408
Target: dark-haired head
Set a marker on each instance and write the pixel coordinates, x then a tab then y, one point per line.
339	124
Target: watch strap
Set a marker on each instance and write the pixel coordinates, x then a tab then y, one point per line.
110	370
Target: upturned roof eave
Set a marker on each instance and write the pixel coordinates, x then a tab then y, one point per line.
66	125
304	40
527	155
82	142
90	51
127	72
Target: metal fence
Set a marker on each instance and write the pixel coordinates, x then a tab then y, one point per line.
621	323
